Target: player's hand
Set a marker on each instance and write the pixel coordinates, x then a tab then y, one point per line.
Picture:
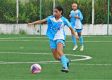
77	17
30	24
70	16
77	37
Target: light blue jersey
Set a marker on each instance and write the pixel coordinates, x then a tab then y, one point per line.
55	29
56	35
76	23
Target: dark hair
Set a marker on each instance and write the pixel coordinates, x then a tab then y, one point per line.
59	8
75	3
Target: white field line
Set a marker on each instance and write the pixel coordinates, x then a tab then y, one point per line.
27	39
95	41
48	40
39	37
23	38
42	37
96	64
54	62
84	57
23	53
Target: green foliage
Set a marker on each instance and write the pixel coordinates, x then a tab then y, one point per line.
101	11
7	11
82	5
29	10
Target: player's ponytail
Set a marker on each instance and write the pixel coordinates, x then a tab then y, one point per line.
59	8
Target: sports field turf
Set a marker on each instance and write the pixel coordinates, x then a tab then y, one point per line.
18	52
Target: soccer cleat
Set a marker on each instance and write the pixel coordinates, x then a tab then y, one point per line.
66	70
75	47
82	48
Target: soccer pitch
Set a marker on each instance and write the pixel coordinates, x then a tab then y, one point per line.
19	52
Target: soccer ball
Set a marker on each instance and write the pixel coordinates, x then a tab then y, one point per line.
36	68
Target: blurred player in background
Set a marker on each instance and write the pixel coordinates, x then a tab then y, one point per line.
56	35
75	18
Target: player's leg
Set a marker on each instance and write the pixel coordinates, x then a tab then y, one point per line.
53	47
74	42
55	54
63	58
81	40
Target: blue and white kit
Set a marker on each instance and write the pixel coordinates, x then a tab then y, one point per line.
55	31
76	23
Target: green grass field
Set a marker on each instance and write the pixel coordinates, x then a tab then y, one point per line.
19	52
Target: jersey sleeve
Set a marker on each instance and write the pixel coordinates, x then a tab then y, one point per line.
67	23
48	18
80	15
71	14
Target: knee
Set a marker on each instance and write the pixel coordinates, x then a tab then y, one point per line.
59	51
55	54
59	47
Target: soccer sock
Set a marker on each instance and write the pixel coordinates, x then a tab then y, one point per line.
81	40
74	40
64	61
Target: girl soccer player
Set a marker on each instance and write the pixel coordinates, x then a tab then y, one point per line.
56	35
75	18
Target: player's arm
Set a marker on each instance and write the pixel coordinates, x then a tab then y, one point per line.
79	16
71	29
69	16
38	22
74	33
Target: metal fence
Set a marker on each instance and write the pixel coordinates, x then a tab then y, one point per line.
24	11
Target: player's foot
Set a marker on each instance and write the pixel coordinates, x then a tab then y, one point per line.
75	47
66	70
82	48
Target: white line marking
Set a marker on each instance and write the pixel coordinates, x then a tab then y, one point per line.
18	40
27	39
95	41
43	37
48	40
47	62
103	64
21	53
98	36
23	38
84	57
